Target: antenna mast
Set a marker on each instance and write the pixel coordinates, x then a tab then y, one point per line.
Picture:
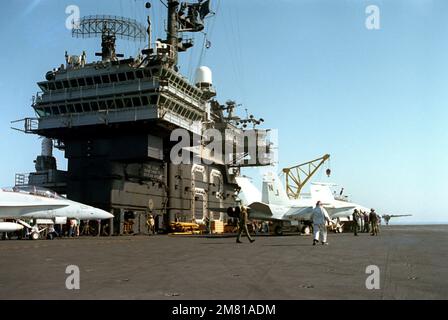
173	30
184	17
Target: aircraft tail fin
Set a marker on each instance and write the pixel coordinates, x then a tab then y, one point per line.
249	193
273	191
322	193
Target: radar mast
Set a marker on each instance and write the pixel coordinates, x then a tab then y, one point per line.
184	17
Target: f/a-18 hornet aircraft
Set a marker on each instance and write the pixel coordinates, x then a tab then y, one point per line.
31	202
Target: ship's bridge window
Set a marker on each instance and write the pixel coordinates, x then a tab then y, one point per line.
122	77
82	82
105	78
41	112
66	84
102	105
145	100
55	110
73	83
119	103
94	105
71	108
63	108
154	99
78	108
97	79
89	81
43	86
110	104
127	103
136	101
51	86
130	75
140	74
114	77
86	107
58	85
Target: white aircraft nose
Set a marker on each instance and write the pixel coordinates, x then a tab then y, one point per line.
97	214
103	215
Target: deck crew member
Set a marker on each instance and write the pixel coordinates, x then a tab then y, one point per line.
319	217
243	225
373	217
356	219
360	221
151	224
366	222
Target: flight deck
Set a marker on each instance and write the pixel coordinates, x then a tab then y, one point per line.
412	261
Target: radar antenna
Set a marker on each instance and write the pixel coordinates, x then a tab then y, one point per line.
109	28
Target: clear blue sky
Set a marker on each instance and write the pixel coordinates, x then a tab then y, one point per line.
375	100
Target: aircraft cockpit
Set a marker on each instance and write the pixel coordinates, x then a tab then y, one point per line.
35	191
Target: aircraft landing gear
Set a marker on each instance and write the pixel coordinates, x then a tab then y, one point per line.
306	230
34	236
278	229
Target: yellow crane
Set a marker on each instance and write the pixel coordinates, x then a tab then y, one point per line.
298	176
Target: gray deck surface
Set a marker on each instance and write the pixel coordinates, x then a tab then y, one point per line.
413	262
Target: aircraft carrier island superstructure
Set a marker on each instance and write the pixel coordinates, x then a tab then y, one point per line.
114	119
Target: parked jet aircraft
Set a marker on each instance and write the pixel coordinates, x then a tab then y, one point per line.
262	209
38	203
387	217
274	205
280	213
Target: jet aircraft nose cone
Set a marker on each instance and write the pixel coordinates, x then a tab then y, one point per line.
103	215
98	214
